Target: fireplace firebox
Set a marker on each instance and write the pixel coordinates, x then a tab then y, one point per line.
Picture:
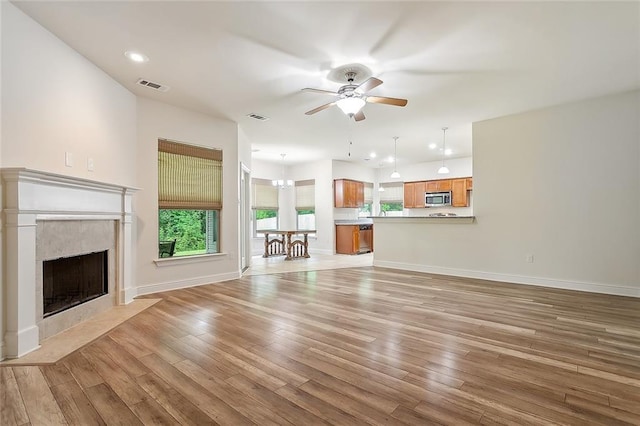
70	281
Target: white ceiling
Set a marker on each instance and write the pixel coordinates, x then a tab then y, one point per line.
455	62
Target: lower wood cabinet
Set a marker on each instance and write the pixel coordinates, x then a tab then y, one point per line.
350	239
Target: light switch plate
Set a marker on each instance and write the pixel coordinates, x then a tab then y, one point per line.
68	159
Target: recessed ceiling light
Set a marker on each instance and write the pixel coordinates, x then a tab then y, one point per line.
432	146
447	151
390	159
372	155
136	56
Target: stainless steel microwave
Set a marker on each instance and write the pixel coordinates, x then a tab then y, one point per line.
435	199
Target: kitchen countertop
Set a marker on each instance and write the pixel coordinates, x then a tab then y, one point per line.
424	219
363	221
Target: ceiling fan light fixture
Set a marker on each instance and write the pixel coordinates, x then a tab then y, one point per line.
350	105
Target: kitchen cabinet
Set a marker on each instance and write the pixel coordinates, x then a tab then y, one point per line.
438	185
459	187
414	194
354	239
459	194
348	193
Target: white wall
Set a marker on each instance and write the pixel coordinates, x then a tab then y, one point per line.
561	184
55	101
157	120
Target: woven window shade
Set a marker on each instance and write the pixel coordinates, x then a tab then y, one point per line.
264	196
393	192
368	193
189	177
306	194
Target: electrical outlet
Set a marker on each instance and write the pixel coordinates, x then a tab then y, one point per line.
529	258
90	164
68	159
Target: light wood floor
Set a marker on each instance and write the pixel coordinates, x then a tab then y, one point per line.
348	346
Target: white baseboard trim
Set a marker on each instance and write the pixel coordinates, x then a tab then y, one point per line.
617	290
192	282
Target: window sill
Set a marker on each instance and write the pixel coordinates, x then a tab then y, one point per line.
183	260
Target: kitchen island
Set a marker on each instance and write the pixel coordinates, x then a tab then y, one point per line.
433	244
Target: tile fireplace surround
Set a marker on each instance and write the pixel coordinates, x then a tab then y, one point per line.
36	201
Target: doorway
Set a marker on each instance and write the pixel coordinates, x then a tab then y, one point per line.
245	217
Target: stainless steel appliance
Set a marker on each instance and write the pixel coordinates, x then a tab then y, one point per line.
365	239
436	199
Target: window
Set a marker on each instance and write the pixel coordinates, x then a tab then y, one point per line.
264	202
189	198
306	204
365	210
391	199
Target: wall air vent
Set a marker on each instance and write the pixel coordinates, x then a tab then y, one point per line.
258	117
152	85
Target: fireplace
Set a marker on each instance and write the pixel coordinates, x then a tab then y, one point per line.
71	281
47	218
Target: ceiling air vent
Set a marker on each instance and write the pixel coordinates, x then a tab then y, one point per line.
258	117
152	85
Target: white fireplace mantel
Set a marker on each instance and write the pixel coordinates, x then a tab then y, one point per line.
30	196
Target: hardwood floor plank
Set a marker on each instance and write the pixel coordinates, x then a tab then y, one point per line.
75	405
12	409
211	405
39	402
350	346
246	406
151	413
318	407
183	410
111	408
361	411
118	380
82	370
285	408
56	374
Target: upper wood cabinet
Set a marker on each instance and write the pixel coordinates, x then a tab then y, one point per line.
439	185
414	194
459	196
348	193
459	187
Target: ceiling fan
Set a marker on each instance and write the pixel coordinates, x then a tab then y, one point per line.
352	97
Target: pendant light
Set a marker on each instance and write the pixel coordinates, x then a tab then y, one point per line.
282	183
395	174
443	170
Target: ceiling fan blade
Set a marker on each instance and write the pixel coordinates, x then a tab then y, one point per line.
323	92
368	84
320	108
359	116
387	101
